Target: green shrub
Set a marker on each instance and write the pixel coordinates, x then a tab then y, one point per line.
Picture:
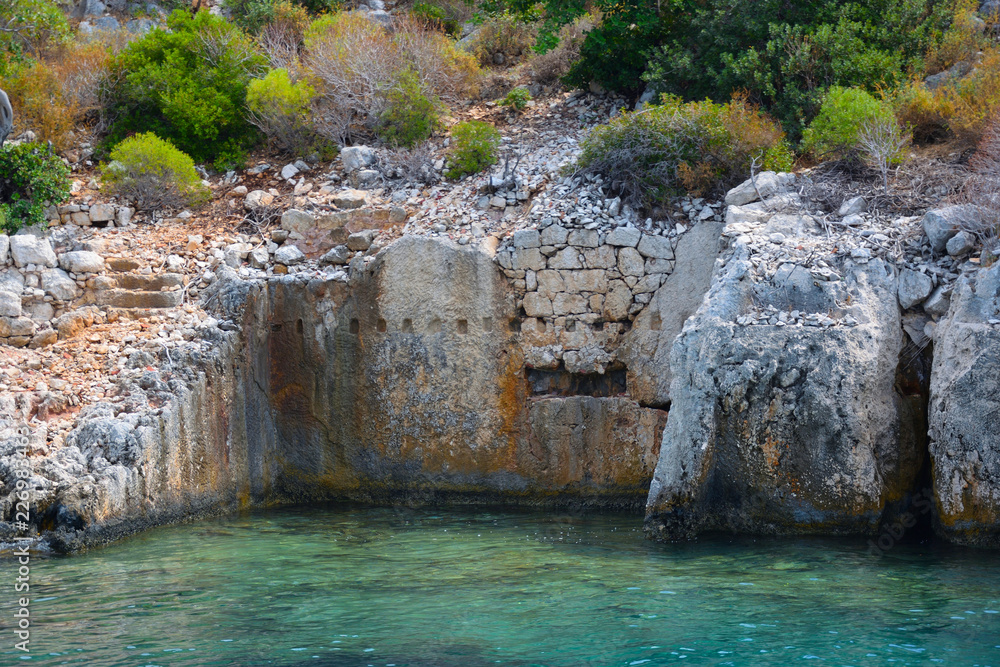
410	116
786	55
473	148
437	17
31	178
517	98
701	147
154	174
253	15
28	26
835	129
281	110
188	84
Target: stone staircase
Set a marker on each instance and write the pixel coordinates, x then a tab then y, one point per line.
136	295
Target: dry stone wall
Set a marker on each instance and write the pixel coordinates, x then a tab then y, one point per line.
578	290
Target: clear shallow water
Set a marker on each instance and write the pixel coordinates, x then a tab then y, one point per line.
345	586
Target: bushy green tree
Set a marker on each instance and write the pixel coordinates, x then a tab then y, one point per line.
31	178
673	147
28	25
153	173
474	146
280	108
188	84
410	115
253	15
787	54
837	126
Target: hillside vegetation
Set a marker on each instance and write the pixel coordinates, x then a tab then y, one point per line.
739	86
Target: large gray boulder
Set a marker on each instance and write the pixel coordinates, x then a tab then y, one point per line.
763	185
10	304
81	261
357	157
914	287
58	284
786	430
964	413
943	223
30	249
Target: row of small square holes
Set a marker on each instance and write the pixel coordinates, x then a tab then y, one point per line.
462	326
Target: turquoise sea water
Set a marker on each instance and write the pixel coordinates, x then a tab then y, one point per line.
347	586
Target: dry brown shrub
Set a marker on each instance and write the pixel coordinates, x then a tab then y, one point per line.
547	68
961	42
982	189
959	111
39	105
281	39
446	71
503	36
975	99
356	61
495	85
357	64
918	108
82	71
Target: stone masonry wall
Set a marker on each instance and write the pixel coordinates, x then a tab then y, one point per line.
578	290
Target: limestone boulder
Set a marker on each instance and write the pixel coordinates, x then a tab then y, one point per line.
786	430
763	185
942	224
350	199
10	304
59	285
914	288
964	413
357	157
337	255
258	199
624	236
30	249
81	261
289	255
294	220
16	327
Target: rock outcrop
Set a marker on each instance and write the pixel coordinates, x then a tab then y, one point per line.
779	429
646	348
964	413
405	383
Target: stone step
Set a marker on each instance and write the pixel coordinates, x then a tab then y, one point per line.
122	263
123	298
115	314
148	283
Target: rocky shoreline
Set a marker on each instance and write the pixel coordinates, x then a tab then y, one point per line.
761	365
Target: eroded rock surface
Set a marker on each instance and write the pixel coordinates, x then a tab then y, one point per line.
786	429
965	413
